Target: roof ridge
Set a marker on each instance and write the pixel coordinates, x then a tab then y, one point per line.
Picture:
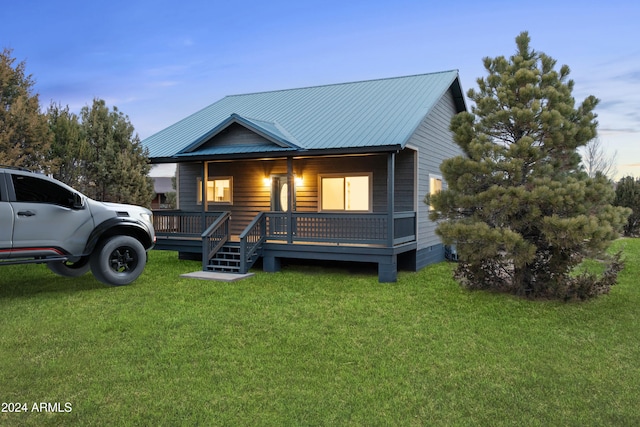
342	83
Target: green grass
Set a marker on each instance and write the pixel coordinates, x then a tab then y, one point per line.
313	346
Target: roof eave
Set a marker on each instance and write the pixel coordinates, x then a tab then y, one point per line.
281	154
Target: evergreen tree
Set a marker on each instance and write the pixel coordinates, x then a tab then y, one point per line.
628	195
69	145
519	207
172	196
24	134
117	166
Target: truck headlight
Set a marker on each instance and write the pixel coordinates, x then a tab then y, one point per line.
146	217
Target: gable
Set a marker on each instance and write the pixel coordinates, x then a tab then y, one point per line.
236	134
240	134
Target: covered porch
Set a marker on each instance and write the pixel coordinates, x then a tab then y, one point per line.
278	208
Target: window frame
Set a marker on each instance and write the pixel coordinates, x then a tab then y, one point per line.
368	175
213	179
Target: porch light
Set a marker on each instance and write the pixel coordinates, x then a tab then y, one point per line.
298	180
266	181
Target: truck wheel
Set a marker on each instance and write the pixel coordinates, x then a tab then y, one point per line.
70	269
118	261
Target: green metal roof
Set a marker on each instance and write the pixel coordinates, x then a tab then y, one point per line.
373	113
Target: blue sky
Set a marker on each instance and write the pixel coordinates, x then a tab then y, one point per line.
159	61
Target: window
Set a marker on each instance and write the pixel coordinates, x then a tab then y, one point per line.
218	190
435	186
35	190
345	193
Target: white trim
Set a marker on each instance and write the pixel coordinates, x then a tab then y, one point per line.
416	177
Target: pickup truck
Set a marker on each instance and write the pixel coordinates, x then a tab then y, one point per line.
43	220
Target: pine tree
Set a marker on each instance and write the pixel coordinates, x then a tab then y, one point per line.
518	206
24	133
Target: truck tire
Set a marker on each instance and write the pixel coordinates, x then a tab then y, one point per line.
70	269
118	260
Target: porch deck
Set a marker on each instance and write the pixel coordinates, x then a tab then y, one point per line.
367	237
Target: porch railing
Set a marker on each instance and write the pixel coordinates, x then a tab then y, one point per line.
340	228
182	224
251	241
214	237
404	227
369	228
309	227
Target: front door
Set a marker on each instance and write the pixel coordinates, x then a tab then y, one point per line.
279	203
279	193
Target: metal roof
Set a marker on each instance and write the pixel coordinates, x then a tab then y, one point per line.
373	113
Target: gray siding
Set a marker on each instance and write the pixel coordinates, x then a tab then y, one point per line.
434	142
429	255
237	134
405	181
187	187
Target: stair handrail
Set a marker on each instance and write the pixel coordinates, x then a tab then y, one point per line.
214	237
251	239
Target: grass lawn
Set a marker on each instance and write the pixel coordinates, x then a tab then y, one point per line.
312	346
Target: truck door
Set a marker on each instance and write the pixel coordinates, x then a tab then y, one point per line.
43	216
6	220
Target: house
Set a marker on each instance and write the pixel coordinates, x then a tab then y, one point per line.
161	186
334	172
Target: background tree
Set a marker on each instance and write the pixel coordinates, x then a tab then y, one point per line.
24	133
628	195
69	146
595	159
518	206
172	196
117	166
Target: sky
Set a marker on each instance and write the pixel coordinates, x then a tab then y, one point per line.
160	61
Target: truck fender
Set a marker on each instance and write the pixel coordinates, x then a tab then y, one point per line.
134	228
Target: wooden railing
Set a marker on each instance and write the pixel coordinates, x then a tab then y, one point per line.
340	228
404	227
251	241
369	228
180	223
214	237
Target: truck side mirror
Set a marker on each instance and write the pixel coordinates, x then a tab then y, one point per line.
78	201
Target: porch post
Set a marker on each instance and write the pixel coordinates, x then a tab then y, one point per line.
391	183
203	194
203	215
291	198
